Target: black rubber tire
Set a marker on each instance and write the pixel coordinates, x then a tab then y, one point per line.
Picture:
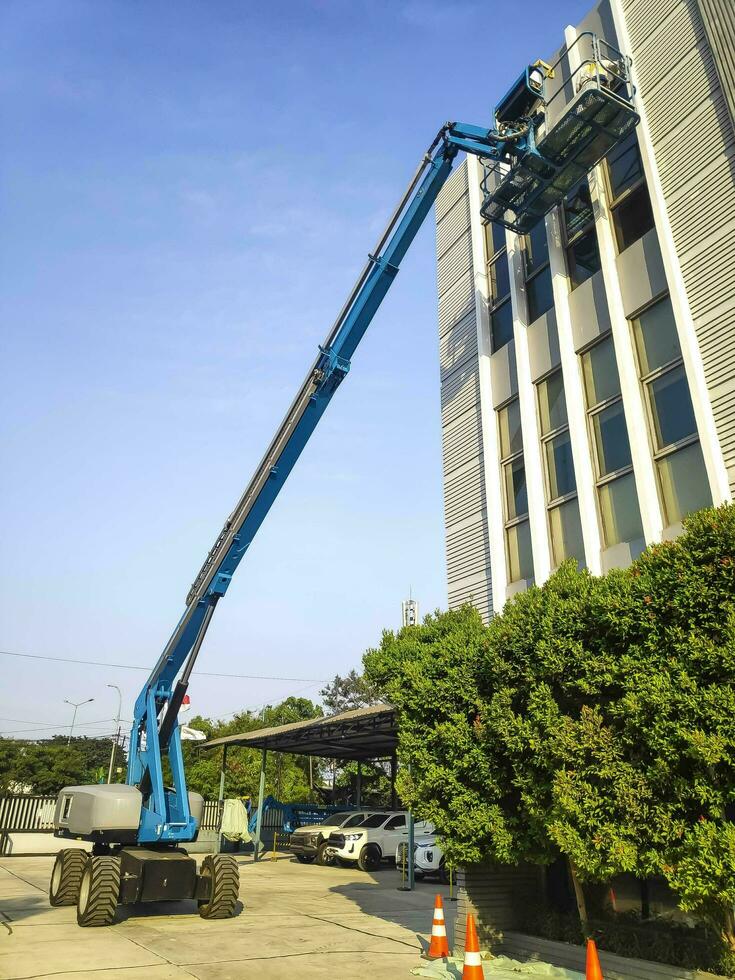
305	858
370	858
322	858
99	892
224	873
66	876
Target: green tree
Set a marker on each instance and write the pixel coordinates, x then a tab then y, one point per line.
351	691
45	766
287	775
595	717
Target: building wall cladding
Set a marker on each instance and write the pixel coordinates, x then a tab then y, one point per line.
467	547
719	23
494	895
694	144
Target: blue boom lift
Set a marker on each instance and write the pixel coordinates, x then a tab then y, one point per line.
137	828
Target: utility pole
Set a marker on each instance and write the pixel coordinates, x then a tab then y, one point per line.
74	716
117	731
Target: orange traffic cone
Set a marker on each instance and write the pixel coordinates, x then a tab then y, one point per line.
472	969
594	970
438	947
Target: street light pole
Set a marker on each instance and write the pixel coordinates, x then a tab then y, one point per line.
117	731
74	705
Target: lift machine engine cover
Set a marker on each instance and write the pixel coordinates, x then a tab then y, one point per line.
137	829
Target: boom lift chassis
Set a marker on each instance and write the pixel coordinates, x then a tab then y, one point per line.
536	150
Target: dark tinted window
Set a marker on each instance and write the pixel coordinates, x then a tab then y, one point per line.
540	294
624	165
499	276
494	238
672	407
633	217
396	823
355	820
536	247
584	258
501	325
377	820
578	209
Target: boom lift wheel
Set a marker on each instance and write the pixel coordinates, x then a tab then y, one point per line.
224	877
99	891
67	876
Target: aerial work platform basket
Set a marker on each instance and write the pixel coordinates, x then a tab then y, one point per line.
588	112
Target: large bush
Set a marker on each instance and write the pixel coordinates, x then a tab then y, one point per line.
594	716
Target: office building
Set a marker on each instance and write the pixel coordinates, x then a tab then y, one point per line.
588	368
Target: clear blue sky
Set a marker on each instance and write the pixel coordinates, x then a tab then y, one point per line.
188	190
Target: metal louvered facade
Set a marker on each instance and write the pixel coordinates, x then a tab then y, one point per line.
684	66
718	17
681	260
465	510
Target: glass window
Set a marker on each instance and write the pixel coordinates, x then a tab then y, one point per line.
618	499
552	404
396	823
624	165
374	821
583	256
611	439
578	213
683	481
540	294
499	278
566	533
509	421
684	484
560	466
600	372
353	821
656	339
633	217
516	495
671	407
501	325
518	549
536	247
494	239
630	201
621	520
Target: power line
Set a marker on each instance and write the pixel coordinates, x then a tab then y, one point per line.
39	726
201	673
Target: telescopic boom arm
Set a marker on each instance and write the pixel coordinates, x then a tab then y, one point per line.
528	176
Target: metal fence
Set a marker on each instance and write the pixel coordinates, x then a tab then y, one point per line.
35	814
27	814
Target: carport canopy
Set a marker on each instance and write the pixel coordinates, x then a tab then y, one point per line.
360	734
351	736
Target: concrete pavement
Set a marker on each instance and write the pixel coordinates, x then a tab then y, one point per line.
297	922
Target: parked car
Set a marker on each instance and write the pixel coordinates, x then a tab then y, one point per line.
428	858
309	843
374	840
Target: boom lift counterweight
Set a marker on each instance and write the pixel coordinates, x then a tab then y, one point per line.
136	828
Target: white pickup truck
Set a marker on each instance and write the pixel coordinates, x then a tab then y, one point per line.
428	858
309	843
373	840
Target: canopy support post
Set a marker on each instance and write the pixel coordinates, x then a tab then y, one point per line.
257	843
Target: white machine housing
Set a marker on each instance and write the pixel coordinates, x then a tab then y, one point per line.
87	811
